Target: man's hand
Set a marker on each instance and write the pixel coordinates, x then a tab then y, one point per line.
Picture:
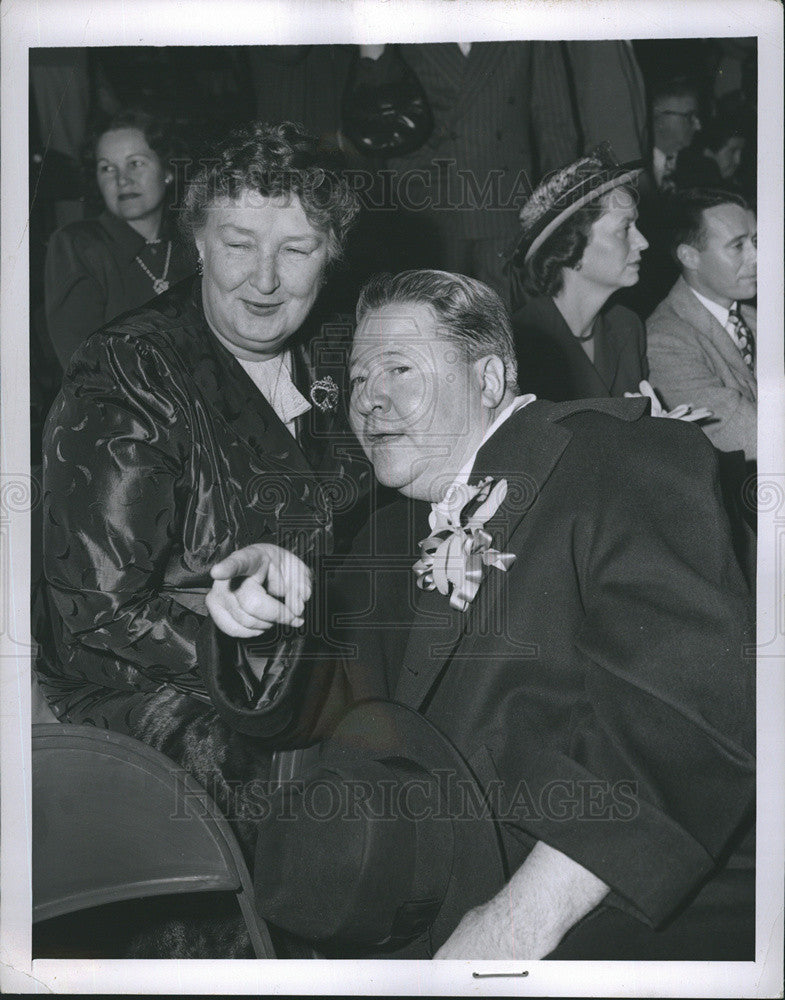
257	587
527	919
480	936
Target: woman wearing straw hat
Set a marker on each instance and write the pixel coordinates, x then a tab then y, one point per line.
579	245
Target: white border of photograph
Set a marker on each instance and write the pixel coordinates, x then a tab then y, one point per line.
27	24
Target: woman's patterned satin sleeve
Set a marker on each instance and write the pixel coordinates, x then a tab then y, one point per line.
116	447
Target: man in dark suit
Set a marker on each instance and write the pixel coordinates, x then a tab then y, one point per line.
574	626
502	118
701	337
675	123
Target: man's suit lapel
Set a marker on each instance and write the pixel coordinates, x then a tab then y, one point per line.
687	306
524	452
464	75
447	60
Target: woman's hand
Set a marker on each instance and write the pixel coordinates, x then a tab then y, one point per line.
685	411
257	587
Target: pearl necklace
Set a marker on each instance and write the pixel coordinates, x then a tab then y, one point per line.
159	284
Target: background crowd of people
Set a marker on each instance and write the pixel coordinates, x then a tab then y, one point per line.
503	116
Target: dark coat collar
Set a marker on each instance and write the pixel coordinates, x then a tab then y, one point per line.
590	379
227	388
125	239
524	451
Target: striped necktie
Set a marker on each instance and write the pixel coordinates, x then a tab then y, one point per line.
743	335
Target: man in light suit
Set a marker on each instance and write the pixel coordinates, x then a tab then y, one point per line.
596	648
701	338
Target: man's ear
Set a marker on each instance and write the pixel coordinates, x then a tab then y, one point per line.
493	379
688	256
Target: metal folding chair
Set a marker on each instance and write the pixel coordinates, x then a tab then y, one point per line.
115	820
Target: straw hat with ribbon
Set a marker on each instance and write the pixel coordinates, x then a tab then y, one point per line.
565	191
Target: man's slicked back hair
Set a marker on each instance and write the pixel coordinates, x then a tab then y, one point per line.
686	222
468	312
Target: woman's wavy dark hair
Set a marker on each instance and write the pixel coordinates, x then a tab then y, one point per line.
544	271
274	161
157	132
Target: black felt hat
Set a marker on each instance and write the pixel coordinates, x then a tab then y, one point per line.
385	842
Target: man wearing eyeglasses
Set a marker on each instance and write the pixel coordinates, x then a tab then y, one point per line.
675	121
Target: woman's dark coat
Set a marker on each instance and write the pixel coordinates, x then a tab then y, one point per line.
553	365
160	458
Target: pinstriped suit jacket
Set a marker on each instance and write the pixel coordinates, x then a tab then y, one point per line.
504	108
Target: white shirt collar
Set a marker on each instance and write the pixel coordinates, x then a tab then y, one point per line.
454	499
658	164
719	312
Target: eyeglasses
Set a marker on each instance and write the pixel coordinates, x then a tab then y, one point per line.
689	115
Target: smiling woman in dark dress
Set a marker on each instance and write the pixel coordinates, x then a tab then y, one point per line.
192	426
580	244
98	268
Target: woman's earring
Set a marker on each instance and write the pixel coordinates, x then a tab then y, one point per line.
168	179
200	266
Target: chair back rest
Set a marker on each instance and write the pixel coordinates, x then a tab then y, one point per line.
114	819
